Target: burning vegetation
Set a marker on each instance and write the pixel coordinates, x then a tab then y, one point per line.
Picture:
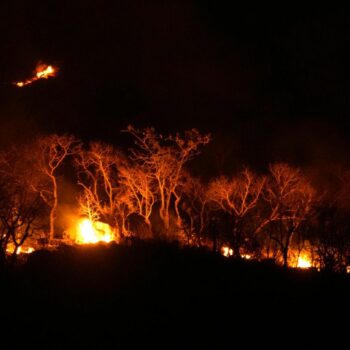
93	232
149	193
42	71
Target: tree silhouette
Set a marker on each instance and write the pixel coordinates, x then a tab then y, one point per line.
290	197
237	196
21	208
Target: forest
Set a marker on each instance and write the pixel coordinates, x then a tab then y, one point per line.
293	216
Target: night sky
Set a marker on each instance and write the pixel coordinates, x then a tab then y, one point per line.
268	83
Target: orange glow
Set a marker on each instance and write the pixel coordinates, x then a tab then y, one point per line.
304	262
42	71
93	232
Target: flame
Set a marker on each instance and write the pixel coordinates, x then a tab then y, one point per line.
304	262
93	232
21	250
246	256
42	71
226	251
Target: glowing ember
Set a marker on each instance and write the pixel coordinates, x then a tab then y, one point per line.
246	256
43	71
89	232
303	262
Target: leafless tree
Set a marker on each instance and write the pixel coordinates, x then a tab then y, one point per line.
139	189
194	209
164	158
290	197
47	155
21	208
103	197
237	196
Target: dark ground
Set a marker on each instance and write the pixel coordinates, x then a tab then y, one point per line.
158	294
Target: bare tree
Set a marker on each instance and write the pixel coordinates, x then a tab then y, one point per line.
103	197
164	158
139	189
237	196
21	208
48	154
194	209
290	197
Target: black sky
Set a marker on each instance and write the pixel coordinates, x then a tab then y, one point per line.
269	83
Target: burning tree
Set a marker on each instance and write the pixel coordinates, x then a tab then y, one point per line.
290	198
103	197
237	197
48	154
163	159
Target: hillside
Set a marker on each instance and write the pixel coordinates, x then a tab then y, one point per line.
148	290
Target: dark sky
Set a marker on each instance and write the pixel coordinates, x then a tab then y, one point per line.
269	83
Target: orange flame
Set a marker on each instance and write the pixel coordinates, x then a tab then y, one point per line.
42	71
93	232
226	251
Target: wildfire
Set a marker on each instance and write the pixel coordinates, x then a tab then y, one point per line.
21	250
93	232
304	262
226	251
42	71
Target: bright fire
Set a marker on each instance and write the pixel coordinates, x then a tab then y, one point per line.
226	251
43	71
21	250
93	232
304	262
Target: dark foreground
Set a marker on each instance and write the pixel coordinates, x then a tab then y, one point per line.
158	294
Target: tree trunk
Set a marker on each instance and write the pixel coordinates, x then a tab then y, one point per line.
53	209
215	242
286	248
149	225
285	258
177	202
2	258
236	244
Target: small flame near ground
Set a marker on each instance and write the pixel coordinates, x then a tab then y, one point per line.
93	232
21	250
227	252
42	71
